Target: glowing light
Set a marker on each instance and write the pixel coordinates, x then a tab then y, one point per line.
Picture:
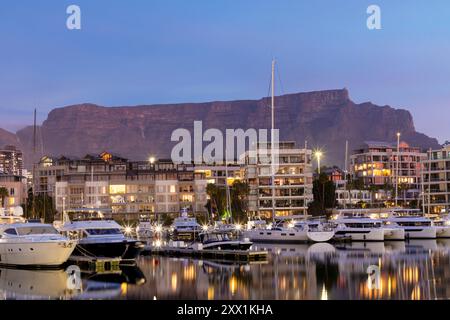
152	160
291	225
128	230
238	227
158	243
205	227
158	228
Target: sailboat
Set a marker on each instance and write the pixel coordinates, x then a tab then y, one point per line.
300	231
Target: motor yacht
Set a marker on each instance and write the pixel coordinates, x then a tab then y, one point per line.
359	227
102	239
33	245
414	226
289	232
223	241
185	228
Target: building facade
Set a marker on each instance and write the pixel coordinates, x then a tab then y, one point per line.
436	181
292	181
17	190
11	161
125	187
379	164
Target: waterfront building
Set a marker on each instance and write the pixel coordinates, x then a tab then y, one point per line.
125	187
292	180
217	173
379	164
17	190
436	177
11	161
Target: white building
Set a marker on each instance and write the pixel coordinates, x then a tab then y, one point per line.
292	181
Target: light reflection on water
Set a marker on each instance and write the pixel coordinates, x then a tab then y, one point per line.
411	270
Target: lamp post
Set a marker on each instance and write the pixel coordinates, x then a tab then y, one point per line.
318	155
397	165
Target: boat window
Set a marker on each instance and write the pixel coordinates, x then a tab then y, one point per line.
36	230
101	232
11	231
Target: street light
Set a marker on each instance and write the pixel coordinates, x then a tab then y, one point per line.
152	160
318	154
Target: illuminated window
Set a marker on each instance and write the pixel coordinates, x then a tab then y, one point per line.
172	189
116	189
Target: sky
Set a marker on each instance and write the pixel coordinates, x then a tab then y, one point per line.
166	51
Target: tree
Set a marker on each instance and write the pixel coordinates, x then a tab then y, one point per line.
42	205
324	192
217	202
3	195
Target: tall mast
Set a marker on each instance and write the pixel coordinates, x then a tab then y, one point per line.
34	166
345	174
272	141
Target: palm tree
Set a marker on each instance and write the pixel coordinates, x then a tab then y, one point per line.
3	195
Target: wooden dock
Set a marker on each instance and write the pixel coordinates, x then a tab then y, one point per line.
235	255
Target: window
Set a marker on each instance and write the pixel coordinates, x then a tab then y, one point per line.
116	189
11	231
101	232
37	230
172	189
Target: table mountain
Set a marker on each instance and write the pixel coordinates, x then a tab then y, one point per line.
324	118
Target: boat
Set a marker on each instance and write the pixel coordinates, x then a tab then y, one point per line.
221	240
33	245
101	238
185	228
415	227
442	226
358	227
144	229
316	230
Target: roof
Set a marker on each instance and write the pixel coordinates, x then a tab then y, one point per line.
94	224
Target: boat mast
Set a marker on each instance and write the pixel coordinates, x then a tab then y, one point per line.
345	174
227	189
33	210
272	141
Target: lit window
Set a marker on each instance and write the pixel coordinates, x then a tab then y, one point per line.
172	189
117	189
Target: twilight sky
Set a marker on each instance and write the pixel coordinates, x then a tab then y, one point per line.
162	51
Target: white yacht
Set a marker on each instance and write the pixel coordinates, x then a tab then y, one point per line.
442	225
185	228
33	244
289	233
144	229
415	225
358	227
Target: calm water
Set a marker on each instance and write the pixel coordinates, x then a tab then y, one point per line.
411	270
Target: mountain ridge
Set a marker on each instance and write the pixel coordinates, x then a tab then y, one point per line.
324	118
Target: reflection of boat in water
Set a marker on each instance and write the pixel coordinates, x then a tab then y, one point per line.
126	274
36	284
421	245
373	248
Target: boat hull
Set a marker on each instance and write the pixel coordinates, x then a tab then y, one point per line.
420	232
361	234
391	234
320	236
285	236
228	245
36	254
442	231
124	250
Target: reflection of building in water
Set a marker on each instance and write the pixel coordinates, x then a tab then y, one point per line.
414	270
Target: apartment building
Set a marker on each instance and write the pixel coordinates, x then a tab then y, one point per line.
292	180
436	181
125	187
379	164
17	190
11	161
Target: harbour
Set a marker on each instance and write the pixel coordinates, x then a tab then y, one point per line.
408	270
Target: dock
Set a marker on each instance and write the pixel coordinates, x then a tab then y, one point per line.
235	255
97	264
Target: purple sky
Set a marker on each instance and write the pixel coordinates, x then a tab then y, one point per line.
163	51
